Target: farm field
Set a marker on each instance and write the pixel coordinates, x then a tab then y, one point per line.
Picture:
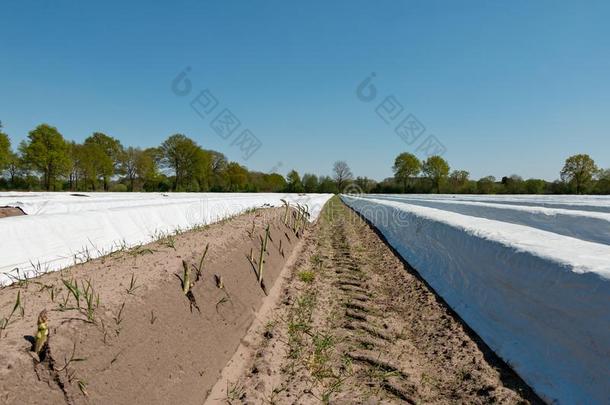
336	315
530	275
346	309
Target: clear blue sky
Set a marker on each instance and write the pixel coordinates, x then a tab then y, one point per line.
508	87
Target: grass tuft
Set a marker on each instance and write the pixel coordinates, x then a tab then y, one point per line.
307	276
132	284
169	241
85	292
4	322
235	392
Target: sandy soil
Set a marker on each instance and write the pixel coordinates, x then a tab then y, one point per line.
133	336
10	212
354	324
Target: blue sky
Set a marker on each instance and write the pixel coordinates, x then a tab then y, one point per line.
507	87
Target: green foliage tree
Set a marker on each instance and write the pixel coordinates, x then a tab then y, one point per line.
603	182
513	184
202	169
406	166
13	167
219	163
47	152
458	180
327	185
129	160
5	149
534	186
294	184
578	171
78	159
310	183
90	159
237	176
486	185
365	184
180	153
275	182
559	187
104	154
147	168
264	182
436	169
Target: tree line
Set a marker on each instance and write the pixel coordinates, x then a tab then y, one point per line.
47	161
579	175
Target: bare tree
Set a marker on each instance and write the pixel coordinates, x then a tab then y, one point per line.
129	164
343	174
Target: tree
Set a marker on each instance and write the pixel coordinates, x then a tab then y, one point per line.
406	166
219	166
327	185
5	149
436	169
343	174
579	170
275	182
104	152
603	182
559	187
237	175
513	184
93	163
458	179
129	165
147	168
486	184
534	186
202	169
310	183
365	184
78	159
219	162
179	153
294	182
14	167
47	152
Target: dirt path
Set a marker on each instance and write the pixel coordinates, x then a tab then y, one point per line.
355	325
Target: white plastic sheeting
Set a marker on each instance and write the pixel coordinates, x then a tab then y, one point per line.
598	203
539	299
61	229
570	220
